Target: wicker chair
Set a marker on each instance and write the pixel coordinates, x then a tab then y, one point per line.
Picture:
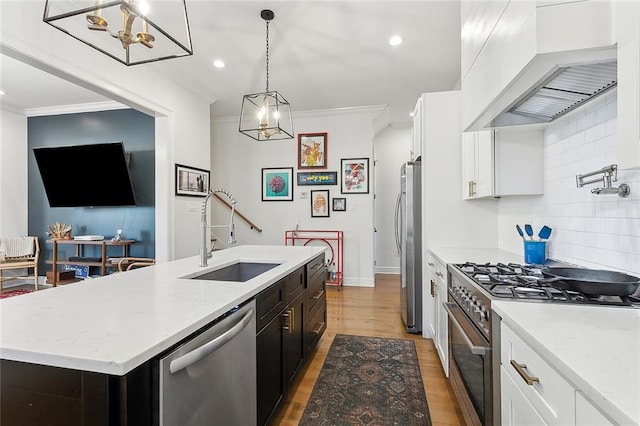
129	263
19	253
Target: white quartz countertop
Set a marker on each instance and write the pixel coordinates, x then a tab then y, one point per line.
477	255
596	349
115	323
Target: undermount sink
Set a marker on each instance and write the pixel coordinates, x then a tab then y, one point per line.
239	272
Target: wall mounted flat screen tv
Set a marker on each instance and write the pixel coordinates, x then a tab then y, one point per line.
86	175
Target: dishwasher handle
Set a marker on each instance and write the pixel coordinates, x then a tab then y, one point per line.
197	354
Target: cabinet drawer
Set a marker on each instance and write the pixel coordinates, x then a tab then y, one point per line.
316	325
549	393
294	284
269	303
315	266
316	289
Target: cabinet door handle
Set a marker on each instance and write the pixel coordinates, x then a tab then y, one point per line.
470	188
431	264
433	284
287	321
525	376
473	188
318	327
293	320
318	295
439	274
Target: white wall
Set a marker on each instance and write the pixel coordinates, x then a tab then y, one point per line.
182	117
13	173
236	163
599	231
392	149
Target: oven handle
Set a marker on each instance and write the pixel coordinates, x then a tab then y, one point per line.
475	349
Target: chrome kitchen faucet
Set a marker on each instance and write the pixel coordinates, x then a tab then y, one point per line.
205	252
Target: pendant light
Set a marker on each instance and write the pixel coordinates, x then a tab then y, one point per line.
130	31
267	115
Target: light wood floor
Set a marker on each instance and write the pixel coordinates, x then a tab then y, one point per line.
373	312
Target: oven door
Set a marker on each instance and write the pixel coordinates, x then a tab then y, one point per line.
470	367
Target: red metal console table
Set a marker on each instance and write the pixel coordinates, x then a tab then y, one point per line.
335	255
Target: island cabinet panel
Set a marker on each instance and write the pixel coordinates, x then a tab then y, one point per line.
42	395
289	333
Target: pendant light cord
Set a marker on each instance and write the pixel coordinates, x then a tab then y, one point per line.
267	62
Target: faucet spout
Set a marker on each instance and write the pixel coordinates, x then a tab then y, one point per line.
205	252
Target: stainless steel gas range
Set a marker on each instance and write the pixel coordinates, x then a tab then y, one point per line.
474	333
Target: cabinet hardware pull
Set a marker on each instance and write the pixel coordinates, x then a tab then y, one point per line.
432	287
473	188
526	377
287	318
293	320
430	264
318	327
318	295
469	189
439	274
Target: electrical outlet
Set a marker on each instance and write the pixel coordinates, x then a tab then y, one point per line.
303	195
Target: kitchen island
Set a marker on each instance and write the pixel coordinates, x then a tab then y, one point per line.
88	353
595	349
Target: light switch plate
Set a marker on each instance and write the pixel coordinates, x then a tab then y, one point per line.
303	195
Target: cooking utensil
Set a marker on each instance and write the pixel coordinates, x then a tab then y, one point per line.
545	233
529	230
520	232
590	281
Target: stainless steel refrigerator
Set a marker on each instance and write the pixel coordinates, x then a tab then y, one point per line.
408	227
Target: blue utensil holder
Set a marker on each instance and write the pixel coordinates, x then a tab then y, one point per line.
535	252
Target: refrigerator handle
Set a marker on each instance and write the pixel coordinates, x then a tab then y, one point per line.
396	221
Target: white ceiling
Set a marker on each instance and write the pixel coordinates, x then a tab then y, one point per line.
323	55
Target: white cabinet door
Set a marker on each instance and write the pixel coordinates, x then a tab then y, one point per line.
417	130
431	301
477	164
587	414
442	324
515	409
627	16
484	163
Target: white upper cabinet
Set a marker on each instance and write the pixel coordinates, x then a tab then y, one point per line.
417	130
627	30
501	163
511	46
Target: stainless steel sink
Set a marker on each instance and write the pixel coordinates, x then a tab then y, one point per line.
240	272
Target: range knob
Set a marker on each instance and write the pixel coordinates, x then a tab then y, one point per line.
480	314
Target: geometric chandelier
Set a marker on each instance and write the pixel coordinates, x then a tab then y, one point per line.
130	31
267	115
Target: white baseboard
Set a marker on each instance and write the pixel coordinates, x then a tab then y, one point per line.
358	282
388	270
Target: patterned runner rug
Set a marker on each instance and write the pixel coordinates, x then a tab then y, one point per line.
11	293
368	381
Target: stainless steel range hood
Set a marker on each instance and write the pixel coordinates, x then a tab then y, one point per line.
565	89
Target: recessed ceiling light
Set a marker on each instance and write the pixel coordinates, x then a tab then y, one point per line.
395	40
218	63
411	114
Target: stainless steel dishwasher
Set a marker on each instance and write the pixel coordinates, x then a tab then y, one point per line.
211	379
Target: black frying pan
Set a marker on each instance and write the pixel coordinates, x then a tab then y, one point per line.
591	281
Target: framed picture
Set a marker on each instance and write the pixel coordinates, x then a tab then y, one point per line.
191	181
320	203
354	175
339	204
312	150
277	184
317	178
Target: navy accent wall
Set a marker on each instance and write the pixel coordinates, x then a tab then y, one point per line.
137	131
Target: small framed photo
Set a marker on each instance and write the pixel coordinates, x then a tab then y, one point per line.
339	204
354	175
191	181
320	203
277	184
312	150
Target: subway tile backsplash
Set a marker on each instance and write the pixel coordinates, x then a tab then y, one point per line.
597	231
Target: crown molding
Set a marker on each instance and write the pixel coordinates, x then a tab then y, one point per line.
74	109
